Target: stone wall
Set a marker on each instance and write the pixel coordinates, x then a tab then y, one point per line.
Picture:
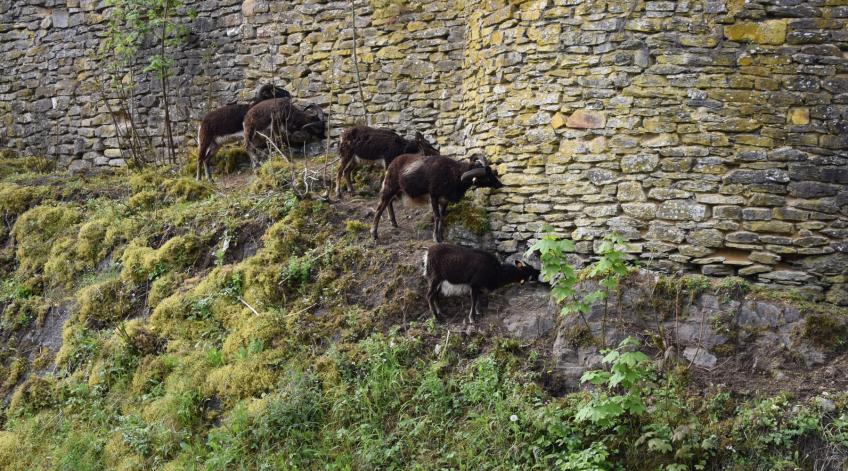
711	133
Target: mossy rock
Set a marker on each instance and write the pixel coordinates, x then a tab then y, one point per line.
266	328
151	371
142	264
827	331
273	175
186	189
33	395
9	449
15	199
73	255
36	232
140	339
163	287
14	373
248	377
24	312
470	216
144	200
104	303
146	180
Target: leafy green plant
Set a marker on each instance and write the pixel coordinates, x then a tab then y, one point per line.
629	373
561	274
131	24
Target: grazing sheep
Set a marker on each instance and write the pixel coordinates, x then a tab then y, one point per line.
279	120
381	145
455	270
225	123
445	181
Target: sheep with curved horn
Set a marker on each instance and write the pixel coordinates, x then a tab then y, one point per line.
225	123
443	179
283	122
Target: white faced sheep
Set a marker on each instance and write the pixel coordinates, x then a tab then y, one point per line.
441	178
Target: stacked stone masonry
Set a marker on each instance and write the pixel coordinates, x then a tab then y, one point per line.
713	134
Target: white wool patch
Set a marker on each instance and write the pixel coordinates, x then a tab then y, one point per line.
419	201
450	289
412	168
229	137
425	263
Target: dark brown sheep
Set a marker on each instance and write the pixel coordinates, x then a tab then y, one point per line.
441	178
225	123
278	120
456	270
376	145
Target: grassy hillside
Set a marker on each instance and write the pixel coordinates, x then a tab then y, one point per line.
152	322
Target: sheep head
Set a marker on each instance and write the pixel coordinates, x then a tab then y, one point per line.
481	173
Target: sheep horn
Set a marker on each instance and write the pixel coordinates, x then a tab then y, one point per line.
318	125
318	111
473	173
479	158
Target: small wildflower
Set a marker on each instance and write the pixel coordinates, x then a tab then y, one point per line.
513	418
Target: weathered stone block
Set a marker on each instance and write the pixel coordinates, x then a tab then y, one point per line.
644	211
706	237
727	212
742	237
812	189
799	116
768	226
765	32
668	194
757	176
694	251
764	257
639	163
630	191
586	119
754	270
756	214
786	275
682	210
791	214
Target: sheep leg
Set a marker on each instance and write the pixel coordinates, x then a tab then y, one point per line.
351	166
433	299
207	161
437	226
346	155
340	174
250	147
208	168
475	299
392	212
384	201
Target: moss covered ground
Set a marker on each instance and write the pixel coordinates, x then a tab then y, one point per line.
153	322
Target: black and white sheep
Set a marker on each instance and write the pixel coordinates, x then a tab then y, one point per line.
454	270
